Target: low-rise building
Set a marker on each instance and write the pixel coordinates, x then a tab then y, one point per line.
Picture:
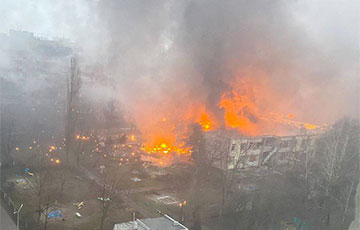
257	151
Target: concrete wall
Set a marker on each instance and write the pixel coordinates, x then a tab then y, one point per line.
255	151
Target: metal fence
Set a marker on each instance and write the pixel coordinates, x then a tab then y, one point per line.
10	206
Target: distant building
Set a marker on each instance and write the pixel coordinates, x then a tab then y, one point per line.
159	223
28	65
33	76
257	151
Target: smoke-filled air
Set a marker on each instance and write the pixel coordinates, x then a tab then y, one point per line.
185	90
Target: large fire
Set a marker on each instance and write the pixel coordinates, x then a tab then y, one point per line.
206	123
240	112
165	148
250	106
162	141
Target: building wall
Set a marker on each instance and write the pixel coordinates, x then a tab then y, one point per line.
256	151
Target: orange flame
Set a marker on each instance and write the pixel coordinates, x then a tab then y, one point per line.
240	112
132	137
247	107
206	123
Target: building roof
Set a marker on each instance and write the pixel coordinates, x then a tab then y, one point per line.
160	223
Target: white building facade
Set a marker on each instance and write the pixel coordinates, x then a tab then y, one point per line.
257	151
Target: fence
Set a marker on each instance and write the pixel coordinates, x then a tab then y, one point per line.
10	206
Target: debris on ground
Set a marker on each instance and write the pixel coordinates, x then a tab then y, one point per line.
79	205
26	187
27	170
20	181
251	187
102	199
55	214
287	225
78	177
135	179
300	224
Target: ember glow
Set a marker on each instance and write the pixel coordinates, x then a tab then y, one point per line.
206	122
84	138
166	148
163	144
52	148
132	137
290	121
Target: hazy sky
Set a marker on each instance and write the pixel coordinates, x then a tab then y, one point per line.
56	18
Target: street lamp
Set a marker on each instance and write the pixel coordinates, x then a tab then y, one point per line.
182	204
18	216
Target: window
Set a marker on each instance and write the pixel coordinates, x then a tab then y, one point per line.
253	145
284	144
292	143
283	156
265	154
231	160
243	146
252	158
233	147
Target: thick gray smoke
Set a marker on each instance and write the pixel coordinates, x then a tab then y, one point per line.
178	51
163	56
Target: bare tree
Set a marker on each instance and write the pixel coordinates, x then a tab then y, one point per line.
84	118
114	177
217	152
110	116
337	163
306	160
42	174
197	142
107	195
355	224
229	177
39	166
72	96
239	161
354	179
46	211
8	137
207	152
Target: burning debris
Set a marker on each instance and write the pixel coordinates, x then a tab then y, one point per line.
166	149
165	154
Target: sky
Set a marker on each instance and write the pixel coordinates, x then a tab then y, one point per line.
55	18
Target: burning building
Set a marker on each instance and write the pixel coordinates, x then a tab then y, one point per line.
212	67
230	65
263	150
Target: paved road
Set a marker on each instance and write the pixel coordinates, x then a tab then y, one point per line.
125	192
122	193
6	223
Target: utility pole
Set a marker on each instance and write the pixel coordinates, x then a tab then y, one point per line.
18	216
182	204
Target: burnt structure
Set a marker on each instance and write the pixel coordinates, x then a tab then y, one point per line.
264	150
